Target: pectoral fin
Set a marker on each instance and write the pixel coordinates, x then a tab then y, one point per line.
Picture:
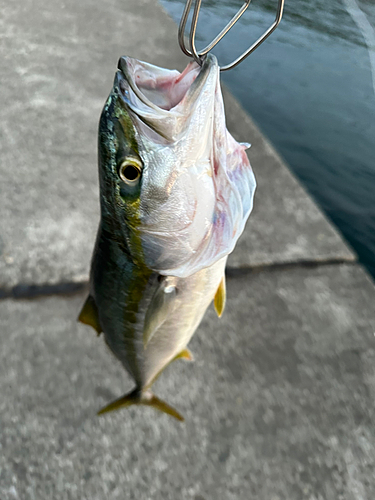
89	315
220	298
161	306
138	398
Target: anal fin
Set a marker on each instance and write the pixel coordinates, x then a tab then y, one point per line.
184	354
220	298
89	315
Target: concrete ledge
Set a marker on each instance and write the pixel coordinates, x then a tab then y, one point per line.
278	404
280	401
58	64
286	225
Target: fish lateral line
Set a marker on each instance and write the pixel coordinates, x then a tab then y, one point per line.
139	397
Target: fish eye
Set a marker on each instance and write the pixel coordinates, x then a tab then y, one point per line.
130	171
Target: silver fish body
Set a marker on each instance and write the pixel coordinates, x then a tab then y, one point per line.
176	190
173	331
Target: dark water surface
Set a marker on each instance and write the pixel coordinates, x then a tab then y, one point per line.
311	90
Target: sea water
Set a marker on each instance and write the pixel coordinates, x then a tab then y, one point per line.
311	89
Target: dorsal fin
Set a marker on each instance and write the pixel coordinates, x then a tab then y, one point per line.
89	315
220	298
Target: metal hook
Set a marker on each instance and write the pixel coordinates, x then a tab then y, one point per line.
199	56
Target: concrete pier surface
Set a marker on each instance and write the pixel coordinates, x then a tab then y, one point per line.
279	403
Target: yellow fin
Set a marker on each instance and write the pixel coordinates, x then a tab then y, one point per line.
132	398
164	407
220	298
89	315
138	398
184	354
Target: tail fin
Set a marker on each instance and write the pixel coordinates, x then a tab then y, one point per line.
141	398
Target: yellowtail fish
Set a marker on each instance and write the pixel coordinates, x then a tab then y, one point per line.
175	192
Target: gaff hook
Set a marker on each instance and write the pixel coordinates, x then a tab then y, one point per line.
191	51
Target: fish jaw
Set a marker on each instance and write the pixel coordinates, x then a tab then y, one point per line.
197	183
177	165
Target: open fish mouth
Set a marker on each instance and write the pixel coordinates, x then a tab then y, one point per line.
159	88
197	185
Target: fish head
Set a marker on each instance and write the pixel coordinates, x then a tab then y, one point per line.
175	186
